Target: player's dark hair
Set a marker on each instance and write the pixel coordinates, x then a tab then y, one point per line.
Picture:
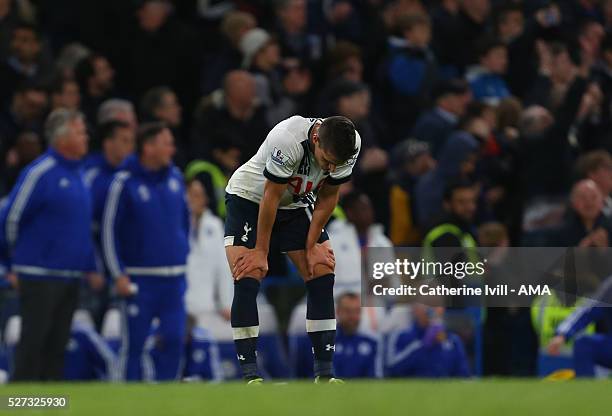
147	133
337	135
109	129
453	186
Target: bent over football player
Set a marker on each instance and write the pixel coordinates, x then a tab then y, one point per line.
281	200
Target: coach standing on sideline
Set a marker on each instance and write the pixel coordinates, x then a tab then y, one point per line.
145	228
46	233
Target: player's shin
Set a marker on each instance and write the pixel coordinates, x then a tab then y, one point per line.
321	323
245	325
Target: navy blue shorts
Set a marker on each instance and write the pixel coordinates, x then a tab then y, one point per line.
289	232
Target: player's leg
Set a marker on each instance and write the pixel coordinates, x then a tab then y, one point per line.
240	232
320	313
592	350
172	322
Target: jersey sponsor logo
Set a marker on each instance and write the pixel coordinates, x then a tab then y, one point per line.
279	157
305	195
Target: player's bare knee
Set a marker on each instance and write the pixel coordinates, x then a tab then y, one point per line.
320	270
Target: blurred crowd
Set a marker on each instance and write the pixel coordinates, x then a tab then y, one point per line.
483	123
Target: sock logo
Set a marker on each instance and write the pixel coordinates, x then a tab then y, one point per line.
245	237
241	357
330	347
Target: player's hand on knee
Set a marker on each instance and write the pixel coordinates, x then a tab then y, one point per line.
320	254
253	263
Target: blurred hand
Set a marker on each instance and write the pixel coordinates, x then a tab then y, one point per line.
226	314
555	345
96	281
123	286
13	280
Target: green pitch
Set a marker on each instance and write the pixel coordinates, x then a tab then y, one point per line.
405	398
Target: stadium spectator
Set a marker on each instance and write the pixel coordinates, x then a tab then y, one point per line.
27	148
457	160
410	72
47	236
411	160
210	283
23	62
486	79
229	57
344	60
145	242
457	27
597	166
352	100
65	94
352	238
427	349
234	112
295	38
26	112
215	172
261	56
117	143
161	104
150	57
434	126
357	355
95	76
117	109
586	225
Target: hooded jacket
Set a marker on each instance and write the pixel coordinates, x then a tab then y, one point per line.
430	187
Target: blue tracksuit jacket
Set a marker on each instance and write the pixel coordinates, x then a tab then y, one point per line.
45	225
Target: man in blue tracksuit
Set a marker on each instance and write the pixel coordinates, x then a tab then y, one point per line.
117	140
589	350
45	233
145	227
357	355
426	349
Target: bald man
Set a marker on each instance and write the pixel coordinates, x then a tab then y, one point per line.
586	225
233	111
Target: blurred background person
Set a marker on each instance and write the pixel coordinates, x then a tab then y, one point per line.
47	235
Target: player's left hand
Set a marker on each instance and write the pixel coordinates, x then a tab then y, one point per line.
252	263
320	254
555	345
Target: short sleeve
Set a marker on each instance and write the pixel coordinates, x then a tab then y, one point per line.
283	156
343	172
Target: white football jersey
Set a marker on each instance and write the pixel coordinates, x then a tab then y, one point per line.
285	157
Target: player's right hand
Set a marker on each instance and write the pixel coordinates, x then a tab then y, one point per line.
555	345
123	286
253	263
